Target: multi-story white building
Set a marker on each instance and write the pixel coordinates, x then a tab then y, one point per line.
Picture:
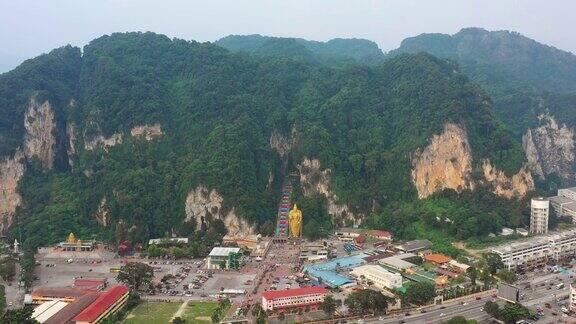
572	300
538	250
565	203
382	278
221	257
293	298
539	208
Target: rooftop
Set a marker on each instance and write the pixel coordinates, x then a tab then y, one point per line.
89	283
396	262
437	258
58	292
374	270
101	304
534	241
223	251
381	233
275	294
47	310
67	313
416	245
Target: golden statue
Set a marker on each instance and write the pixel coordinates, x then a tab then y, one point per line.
71	238
295	222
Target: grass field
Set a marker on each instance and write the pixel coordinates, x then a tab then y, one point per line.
199	312
152	313
162	312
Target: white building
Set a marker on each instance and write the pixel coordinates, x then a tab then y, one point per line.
539	209
572	299
220	256
538	250
381	277
506	231
293	298
565	203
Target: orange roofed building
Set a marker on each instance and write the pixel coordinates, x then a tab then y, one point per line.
437	258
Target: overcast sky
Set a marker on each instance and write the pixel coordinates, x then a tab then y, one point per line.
29	28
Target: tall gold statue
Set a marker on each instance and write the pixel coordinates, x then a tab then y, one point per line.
295	222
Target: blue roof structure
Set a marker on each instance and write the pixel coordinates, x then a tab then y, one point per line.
326	272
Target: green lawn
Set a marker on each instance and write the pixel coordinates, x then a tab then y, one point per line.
152	313
199	312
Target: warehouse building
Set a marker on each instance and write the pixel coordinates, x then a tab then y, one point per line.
415	246
310	297
537	251
380	277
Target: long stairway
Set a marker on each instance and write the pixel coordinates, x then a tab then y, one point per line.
283	210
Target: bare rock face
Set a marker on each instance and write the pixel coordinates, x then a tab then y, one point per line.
148	132
11	171
101	215
517	186
205	205
40	125
550	148
72	135
281	144
314	180
446	163
103	142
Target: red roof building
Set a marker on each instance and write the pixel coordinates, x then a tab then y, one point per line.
293	298
91	284
437	258
66	294
360	239
381	235
109	302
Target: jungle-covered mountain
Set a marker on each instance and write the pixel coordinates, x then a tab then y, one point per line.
334	52
533	87
164	136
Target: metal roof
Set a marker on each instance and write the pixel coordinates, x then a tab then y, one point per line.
223	251
48	309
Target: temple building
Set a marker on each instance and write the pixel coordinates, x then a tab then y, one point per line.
75	245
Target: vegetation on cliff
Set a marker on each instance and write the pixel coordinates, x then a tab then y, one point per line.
217	111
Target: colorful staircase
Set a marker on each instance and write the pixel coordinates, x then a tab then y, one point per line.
283	210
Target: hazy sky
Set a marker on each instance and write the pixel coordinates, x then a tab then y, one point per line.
29	28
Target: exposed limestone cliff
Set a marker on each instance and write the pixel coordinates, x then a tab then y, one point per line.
205	205
148	132
517	186
11	171
550	148
101	215
101	141
71	134
446	163
314	180
40	124
281	144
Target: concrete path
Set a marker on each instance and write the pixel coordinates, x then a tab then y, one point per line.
180	310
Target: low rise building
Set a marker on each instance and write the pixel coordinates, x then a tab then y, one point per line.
437	258
415	246
108	303
398	262
310	297
506	231
381	235
347	234
460	267
223	258
168	241
538	250
380	277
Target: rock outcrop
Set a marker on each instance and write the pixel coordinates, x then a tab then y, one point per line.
281	144
11	171
102	213
203	205
446	163
103	142
314	180
550	149
147	132
40	125
517	186
72	135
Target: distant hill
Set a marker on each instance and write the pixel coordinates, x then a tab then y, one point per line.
500	59
333	52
